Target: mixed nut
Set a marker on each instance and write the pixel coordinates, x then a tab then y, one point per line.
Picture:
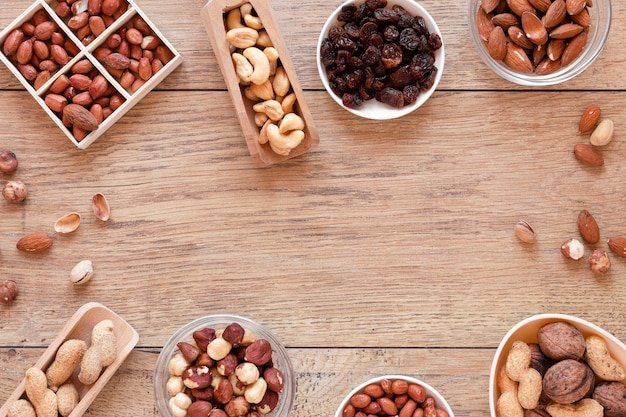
562	374
226	372
534	36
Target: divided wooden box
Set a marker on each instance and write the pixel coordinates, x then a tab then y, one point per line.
86	51
213	15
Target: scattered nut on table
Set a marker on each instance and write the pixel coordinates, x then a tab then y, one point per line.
15	191
525	232
8	161
82	272
8	291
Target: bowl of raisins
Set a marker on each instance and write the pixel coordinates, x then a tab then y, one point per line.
539	43
380	59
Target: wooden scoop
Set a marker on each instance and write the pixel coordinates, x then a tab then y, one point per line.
213	18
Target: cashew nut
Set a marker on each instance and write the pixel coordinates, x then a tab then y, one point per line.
288	103
261	65
245	9
281	143
264	39
281	82
260	119
253	21
243	37
291	121
243	67
263	91
272	56
233	19
263	139
249	94
272	108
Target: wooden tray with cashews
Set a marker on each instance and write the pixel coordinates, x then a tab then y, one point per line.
261	79
75	367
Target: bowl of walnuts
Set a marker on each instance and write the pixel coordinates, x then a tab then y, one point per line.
380	59
558	365
226	365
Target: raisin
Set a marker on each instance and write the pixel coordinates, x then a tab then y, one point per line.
391	55
434	41
427	82
347	13
367	29
375	4
355	79
365	93
369	78
345	43
351	100
391	33
351	29
406	19
392	97
343	57
419	25
374	40
410	92
421	64
327	53
386	16
371	56
409	39
401	77
336	32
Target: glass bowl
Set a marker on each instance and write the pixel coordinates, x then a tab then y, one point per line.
440	402
526	331
373	109
600	17
218	322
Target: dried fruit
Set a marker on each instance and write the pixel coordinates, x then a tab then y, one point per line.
525	232
100	207
603	134
8	161
589	118
8	291
618	246
573	249
34	242
67	223
15	191
599	261
588	227
587	155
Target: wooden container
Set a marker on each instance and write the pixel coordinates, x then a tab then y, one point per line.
84	46
213	16
79	326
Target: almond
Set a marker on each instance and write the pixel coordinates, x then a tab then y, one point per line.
583	18
588	227
589	118
517	59
484	24
34	242
81	117
575	6
555	49
602	134
555	14
506	20
520	6
489	5
618	246
573	49
587	155
12	42
497	44
547	66
566	31
535	31
541	5
518	37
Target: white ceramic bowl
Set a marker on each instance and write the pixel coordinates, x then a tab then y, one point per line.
600	15
526	330
372	109
280	360
440	401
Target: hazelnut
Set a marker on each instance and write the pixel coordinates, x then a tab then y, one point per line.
197	377
237	407
238	386
189	351
259	352
233	333
247	373
226	365
174	385
15	191
573	249
268	402
217	412
599	261
8	161
254	392
276	381
203	337
218	348
177	365
8	291
223	393
205	394
199	409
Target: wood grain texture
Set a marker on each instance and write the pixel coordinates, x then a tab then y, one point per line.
389	248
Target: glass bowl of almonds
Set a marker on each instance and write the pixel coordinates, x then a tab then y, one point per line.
226	365
539	42
380	59
394	396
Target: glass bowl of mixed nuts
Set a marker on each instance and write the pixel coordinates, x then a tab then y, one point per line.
539	42
226	365
380	59
394	396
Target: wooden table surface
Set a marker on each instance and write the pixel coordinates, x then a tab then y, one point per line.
387	249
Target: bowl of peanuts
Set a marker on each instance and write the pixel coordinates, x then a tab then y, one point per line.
557	365
539	43
380	59
394	395
225	364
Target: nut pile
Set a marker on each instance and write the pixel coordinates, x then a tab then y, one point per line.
563	374
264	80
228	372
534	36
52	392
601	135
379	52
87	19
396	397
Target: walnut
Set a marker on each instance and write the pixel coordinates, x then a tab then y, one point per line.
568	381
538	360
612	396
561	340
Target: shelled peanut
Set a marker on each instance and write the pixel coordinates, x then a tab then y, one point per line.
39	48
226	371
133	54
83	98
264	80
89	18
